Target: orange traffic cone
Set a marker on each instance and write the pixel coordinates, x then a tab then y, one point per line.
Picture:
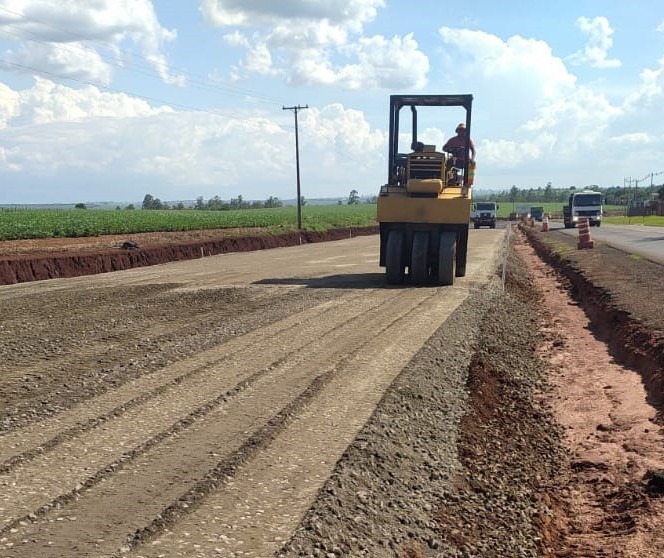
545	224
584	235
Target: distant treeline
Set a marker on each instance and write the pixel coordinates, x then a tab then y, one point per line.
217	204
613	195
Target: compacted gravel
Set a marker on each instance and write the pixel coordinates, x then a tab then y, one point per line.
457	459
198	408
218	408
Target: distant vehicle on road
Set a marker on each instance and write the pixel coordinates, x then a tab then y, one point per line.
523	212
586	204
537	213
484	214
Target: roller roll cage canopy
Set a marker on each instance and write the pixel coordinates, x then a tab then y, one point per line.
397	102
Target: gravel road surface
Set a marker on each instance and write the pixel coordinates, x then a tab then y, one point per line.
288	403
198	408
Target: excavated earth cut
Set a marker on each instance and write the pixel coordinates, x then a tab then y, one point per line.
23	261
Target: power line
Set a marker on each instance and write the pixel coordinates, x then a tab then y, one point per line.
115	90
199	82
651	175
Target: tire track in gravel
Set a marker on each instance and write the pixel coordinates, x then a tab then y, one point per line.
52	339
145	323
237	311
256	511
278	384
103	351
26	443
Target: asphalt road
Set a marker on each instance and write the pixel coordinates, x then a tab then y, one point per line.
635	239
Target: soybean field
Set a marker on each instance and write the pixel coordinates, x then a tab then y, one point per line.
17	224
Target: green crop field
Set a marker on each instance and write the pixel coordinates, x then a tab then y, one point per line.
18	224
650	220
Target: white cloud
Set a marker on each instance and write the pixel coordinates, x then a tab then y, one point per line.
336	125
296	35
503	153
340	150
636	138
47	102
579	121
315	43
518	63
204	157
531	93
599	42
390	64
259	60
237	39
393	64
193	155
535	120
650	88
72	60
10	103
83	39
92	140
352	14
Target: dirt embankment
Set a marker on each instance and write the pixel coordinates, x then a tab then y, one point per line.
616	292
36	260
604	345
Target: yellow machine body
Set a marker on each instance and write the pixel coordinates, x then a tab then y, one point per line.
447	207
424	209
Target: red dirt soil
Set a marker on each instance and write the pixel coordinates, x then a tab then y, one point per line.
609	504
33	260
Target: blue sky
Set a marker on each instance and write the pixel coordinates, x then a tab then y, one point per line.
108	100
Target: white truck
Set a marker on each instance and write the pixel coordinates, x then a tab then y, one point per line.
483	214
586	204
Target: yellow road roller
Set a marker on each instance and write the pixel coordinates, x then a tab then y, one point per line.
424	209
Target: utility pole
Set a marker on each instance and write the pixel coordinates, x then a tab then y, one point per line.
636	211
628	190
297	163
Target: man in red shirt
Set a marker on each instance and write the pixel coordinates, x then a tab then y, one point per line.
457	145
